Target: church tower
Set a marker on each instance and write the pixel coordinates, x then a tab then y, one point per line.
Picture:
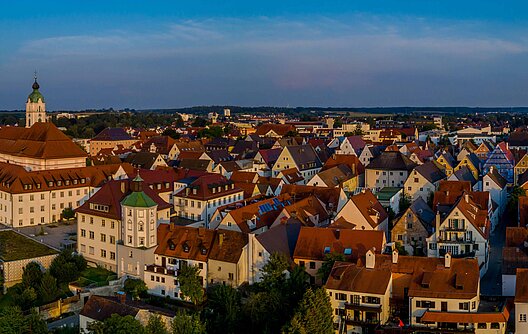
35	106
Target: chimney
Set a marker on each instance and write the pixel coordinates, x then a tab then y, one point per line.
121	297
123	187
438	222
394	256
370	261
448	260
221	239
466	197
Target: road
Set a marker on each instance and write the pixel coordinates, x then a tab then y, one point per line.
491	283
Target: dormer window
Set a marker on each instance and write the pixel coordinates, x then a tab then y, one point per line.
326	250
348	251
50	184
166	184
194	191
83	180
67	182
186	247
203	250
172	246
38	185
59	183
158	186
75	181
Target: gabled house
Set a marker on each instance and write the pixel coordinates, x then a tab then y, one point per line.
483	150
464	174
314	243
370	152
520	168
352	145
309	211
302	157
472	162
412	228
337	176
265	159
291	176
389	169
463	232
274	130
521	301
502	158
448	163
514	256
495	184
423	181
365	211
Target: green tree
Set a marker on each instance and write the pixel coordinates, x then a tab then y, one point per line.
401	250
68	213
273	272
48	290
512	206
171	133
117	324
26	298
67	267
35	324
328	263
156	325
358	131
32	275
190	283
184	323
223	301
199	122
135	287
12	320
405	202
314	314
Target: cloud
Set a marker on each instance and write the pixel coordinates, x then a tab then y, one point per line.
353	60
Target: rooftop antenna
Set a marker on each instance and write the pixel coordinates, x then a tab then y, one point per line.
35	75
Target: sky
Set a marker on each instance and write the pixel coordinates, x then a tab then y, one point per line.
171	54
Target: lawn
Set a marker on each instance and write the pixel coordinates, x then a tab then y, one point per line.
96	275
14	247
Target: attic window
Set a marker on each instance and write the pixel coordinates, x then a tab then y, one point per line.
327	249
348	251
50	184
38	185
166	184
172	246
75	181
203	250
185	247
194	191
67	182
59	182
158	186
83	180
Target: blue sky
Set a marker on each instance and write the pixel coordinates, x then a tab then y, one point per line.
166	54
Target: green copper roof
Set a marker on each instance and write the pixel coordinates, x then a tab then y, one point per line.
35	96
139	199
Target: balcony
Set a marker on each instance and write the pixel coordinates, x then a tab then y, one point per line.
363	307
456	240
455	228
357	321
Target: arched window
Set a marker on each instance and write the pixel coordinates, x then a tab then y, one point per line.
140	226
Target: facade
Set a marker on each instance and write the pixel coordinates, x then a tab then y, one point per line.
462	231
423	181
501	158
365	211
302	157
103	224
413	227
390	169
199	200
521	301
110	138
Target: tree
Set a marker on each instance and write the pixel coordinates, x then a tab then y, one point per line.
358	131
156	325
328	263
199	122
35	324
405	202
26	298
117	324
135	287
190	283
513	203
184	323
68	213
67	267
273	272
12	320
314	314
291	133
32	275
224	304
48	289
171	133
401	250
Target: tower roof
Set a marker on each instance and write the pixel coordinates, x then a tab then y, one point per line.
35	95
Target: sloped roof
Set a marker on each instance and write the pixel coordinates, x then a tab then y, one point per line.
430	171
40	141
228	246
312	242
184	242
281	238
351	277
142	159
521	286
369	206
393	160
494	174
207	187
335	176
350	160
112	134
279	129
304	156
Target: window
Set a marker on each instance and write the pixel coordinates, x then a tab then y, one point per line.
112	256
494	325
91	250
409	226
400	237
112	239
103	223
83	233
92	235
371	300
312	265
302	263
231	276
340	296
425	304
463	306
103	237
522	317
103	253
482	325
